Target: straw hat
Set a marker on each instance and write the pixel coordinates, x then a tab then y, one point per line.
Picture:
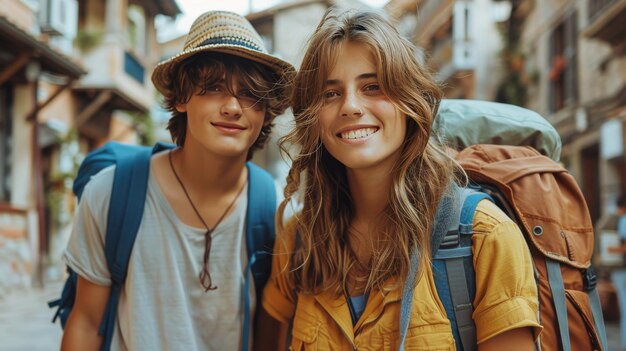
226	32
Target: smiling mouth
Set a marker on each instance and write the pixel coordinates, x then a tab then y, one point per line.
229	128
357	133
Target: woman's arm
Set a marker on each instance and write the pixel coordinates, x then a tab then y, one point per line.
520	339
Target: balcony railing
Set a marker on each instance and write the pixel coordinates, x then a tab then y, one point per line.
427	10
450	56
606	21
441	53
596	7
133	68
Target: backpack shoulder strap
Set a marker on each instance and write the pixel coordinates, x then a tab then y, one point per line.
260	214
126	207
260	235
459	271
446	220
125	210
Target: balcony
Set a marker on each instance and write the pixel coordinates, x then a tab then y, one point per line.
451	57
441	53
112	67
606	21
431	14
133	67
116	81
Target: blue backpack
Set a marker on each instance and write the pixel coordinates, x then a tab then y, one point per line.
125	213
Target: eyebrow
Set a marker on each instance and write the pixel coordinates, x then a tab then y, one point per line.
359	77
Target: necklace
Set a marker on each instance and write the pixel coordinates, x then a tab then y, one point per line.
205	275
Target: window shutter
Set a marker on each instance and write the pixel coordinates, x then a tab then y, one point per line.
551	84
570	53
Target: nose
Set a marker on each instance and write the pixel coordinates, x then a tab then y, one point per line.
231	107
351	106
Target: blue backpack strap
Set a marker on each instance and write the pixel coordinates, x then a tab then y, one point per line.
260	222
596	307
126	206
454	277
446	220
559	299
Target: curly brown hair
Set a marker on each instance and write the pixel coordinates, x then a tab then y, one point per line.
204	69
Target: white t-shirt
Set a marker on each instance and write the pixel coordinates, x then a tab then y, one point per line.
163	305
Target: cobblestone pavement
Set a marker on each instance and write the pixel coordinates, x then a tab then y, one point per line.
25	321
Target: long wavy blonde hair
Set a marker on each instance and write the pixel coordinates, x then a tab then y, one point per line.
322	257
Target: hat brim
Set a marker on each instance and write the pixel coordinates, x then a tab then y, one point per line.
162	74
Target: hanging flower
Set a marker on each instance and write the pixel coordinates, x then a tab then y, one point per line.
558	66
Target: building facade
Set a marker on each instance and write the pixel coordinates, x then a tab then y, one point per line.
73	74
458	40
577	51
565	59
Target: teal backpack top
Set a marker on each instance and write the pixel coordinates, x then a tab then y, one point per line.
126	211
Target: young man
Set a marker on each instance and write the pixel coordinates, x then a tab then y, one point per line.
186	273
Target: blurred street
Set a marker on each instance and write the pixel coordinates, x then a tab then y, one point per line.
25	321
75	74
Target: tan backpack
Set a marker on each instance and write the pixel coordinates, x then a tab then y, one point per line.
547	204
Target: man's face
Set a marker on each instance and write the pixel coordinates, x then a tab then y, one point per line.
223	123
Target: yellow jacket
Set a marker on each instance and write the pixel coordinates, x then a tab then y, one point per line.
506	297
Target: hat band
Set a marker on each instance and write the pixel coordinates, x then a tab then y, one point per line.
230	41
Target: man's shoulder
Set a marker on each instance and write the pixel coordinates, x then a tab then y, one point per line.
98	190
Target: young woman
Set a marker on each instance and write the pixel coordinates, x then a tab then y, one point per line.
372	179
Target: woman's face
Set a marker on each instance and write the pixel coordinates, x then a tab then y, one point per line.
358	124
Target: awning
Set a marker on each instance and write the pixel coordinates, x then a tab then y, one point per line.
14	41
168	7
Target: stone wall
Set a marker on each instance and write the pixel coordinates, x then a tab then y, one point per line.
16	258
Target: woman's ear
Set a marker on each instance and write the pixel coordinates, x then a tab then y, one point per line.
181	108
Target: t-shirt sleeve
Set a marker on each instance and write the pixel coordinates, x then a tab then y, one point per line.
506	292
279	295
85	250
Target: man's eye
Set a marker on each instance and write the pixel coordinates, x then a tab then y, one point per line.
213	89
247	94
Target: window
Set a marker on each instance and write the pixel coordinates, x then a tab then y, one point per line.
136	29
562	62
6	142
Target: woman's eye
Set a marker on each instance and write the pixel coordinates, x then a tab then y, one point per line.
372	87
330	94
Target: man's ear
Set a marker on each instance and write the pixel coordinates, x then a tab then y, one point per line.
181	108
267	120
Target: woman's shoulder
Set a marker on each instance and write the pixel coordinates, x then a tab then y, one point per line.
489	216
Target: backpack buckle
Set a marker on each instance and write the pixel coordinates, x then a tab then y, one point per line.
590	279
451	239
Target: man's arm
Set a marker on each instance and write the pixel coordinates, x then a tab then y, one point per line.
269	334
520	339
81	331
